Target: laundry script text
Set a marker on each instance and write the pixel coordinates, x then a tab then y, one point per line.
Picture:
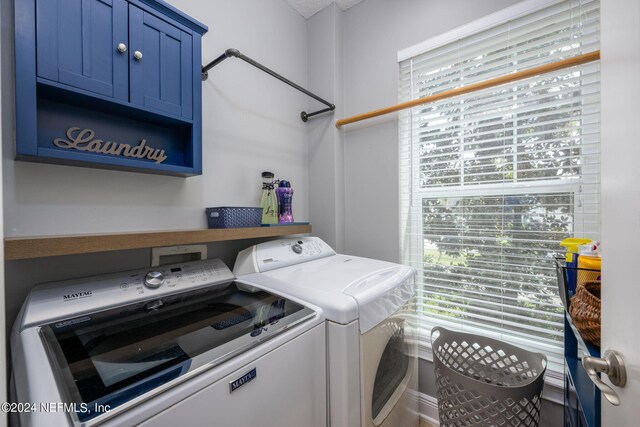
83	140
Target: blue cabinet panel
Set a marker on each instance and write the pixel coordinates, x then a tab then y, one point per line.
77	44
161	79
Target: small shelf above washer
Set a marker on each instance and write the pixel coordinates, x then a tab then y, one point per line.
16	248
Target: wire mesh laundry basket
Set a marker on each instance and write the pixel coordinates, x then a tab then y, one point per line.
486	382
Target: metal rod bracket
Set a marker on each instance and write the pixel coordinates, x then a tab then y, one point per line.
306	116
236	53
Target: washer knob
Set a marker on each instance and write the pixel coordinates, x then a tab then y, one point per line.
297	248
153	279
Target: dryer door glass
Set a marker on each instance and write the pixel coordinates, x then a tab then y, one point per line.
392	368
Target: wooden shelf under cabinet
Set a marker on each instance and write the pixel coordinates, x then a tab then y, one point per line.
16	248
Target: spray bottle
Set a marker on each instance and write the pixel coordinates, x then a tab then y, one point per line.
268	201
571	258
589	263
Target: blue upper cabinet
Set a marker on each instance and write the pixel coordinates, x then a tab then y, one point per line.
77	45
109	83
161	64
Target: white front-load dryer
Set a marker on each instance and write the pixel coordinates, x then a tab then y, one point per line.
369	307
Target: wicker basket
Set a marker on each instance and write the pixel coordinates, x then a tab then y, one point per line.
585	312
568	277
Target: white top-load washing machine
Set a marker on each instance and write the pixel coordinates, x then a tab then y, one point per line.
371	332
169	346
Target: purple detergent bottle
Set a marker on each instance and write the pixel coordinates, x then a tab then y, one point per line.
285	194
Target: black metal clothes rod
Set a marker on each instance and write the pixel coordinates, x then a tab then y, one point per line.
235	52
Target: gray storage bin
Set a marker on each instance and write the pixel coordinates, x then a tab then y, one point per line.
486	382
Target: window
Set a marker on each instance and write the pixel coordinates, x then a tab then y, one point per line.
492	181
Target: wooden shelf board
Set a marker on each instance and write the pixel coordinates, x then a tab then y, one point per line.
36	247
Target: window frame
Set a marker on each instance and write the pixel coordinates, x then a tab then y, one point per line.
554	379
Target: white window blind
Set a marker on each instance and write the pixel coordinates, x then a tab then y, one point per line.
492	181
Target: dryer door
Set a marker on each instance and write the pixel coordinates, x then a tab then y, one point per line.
389	365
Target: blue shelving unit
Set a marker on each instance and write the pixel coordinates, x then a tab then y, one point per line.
581	396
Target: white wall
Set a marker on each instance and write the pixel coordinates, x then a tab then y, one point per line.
326	143
374	31
250	124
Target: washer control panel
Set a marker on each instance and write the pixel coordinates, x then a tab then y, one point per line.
64	299
281	253
180	276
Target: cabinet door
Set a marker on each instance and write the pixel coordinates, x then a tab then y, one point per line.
161	66
77	44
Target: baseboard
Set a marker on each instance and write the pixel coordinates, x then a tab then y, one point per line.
428	408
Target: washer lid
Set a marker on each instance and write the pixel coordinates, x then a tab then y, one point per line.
120	357
345	287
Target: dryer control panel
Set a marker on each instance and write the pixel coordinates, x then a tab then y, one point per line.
280	253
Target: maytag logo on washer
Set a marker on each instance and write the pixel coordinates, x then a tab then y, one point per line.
239	382
76	295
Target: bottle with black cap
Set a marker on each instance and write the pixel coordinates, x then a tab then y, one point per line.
268	201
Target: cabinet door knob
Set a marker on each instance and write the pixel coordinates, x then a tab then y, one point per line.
122	48
137	55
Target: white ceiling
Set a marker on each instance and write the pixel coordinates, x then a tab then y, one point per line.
307	8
